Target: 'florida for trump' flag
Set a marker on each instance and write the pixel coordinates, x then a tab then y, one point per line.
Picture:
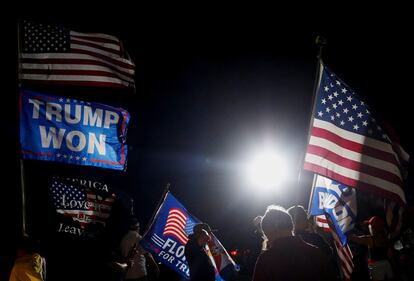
55	55
167	236
349	144
72	131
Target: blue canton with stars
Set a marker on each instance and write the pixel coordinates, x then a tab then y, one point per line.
64	193
338	104
43	38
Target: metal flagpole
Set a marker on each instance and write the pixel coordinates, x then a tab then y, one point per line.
157	209
22	178
320	42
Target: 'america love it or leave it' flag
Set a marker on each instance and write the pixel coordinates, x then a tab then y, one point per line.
80	204
336	200
55	55
72	131
167	236
348	143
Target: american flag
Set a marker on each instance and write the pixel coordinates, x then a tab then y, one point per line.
348	143
54	55
321	222
80	204
345	257
344	252
176	224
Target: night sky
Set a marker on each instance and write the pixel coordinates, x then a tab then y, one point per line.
209	86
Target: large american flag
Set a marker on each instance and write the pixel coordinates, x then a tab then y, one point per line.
54	55
82	205
348	144
176	225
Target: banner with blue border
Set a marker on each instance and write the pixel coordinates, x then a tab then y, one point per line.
72	131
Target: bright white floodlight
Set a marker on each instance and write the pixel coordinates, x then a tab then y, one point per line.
266	169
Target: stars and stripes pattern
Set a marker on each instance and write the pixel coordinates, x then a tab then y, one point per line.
345	257
55	55
176	222
344	252
348	144
80	204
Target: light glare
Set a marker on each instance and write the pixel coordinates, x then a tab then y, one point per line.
267	169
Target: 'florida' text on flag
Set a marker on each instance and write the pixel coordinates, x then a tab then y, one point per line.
169	233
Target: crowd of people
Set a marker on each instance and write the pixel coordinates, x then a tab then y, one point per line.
292	249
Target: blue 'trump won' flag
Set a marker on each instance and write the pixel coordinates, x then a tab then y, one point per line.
167	236
338	201
72	131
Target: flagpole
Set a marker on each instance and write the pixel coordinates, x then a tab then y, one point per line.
321	43
22	178
157	209
311	194
19	61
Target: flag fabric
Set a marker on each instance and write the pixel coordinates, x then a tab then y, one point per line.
393	215
345	257
80	204
72	131
168	234
343	251
336	200
176	223
349	144
221	260
55	55
321	222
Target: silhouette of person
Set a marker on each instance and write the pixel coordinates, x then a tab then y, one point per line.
288	257
29	264
201	268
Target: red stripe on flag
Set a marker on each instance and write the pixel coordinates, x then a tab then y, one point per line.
78	61
94	45
118	62
354	146
354	165
72	72
175	225
96	39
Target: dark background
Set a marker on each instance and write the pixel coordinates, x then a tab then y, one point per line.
210	83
